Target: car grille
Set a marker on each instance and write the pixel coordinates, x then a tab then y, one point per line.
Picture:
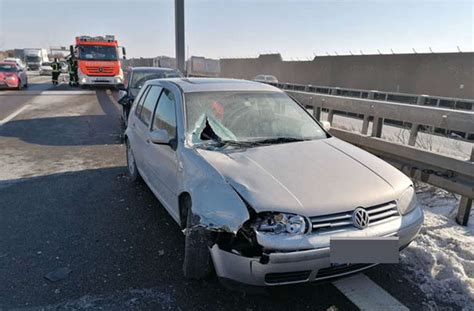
105	71
377	214
340	270
287	277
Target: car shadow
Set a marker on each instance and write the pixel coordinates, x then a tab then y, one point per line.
115	236
70	130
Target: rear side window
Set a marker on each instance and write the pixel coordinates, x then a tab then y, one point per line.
165	115
139	101
149	104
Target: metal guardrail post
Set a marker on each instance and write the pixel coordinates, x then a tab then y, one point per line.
377	127
420	100
465	205
365	124
330	116
413	134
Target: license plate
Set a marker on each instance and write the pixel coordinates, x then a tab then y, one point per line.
363	250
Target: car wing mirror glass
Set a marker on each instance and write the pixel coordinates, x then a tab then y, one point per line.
160	137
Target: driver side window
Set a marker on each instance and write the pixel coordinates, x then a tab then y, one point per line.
165	113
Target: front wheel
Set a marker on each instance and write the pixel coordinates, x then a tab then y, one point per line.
197	259
131	163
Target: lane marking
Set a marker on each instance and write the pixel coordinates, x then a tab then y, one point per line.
14	114
366	294
47	92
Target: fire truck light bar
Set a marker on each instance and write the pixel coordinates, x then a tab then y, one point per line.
107	38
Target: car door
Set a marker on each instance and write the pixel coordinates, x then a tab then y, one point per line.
163	161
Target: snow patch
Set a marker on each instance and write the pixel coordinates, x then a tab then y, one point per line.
441	258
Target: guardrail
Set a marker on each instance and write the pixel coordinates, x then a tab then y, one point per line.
449	173
427	100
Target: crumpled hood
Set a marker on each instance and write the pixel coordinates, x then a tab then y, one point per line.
308	178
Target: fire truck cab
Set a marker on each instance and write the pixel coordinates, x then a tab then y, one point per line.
98	61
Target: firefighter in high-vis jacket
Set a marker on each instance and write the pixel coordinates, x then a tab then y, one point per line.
56	70
73	78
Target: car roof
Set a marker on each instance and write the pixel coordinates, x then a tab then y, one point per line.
189	85
152	69
8	63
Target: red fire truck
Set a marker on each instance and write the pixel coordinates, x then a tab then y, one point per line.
98	60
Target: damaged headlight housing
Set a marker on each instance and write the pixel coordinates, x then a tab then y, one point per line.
281	223
407	201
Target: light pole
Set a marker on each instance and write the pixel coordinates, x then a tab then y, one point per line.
179	33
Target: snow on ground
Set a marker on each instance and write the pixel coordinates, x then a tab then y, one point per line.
441	258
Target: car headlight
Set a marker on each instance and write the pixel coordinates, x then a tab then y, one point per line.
118	80
281	223
10	78
407	201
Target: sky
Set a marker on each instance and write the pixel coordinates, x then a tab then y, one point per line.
298	29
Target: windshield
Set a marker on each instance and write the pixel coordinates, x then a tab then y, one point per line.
247	117
7	68
140	77
97	52
33	58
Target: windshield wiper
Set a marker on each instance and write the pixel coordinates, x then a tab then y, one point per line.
279	140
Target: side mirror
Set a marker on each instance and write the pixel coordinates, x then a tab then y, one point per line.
160	137
326	125
123	100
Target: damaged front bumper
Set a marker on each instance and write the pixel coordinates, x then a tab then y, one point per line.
288	267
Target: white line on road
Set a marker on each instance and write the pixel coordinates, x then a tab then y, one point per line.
14	114
367	295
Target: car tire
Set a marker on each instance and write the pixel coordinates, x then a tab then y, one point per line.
131	164
197	259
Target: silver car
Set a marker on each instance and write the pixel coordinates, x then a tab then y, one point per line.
262	191
265	79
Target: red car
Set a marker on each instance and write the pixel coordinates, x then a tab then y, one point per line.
12	76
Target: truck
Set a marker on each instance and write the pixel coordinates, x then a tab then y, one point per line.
34	57
98	60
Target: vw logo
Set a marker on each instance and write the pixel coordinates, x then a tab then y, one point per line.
101	69
360	218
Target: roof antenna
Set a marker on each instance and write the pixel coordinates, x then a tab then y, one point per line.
361	53
431	49
459	50
379	51
414	50
392	52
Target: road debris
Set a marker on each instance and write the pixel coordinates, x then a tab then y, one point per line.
58	274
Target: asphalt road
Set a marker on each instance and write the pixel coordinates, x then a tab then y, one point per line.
67	207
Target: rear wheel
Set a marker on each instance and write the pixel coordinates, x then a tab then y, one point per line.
197	259
131	164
